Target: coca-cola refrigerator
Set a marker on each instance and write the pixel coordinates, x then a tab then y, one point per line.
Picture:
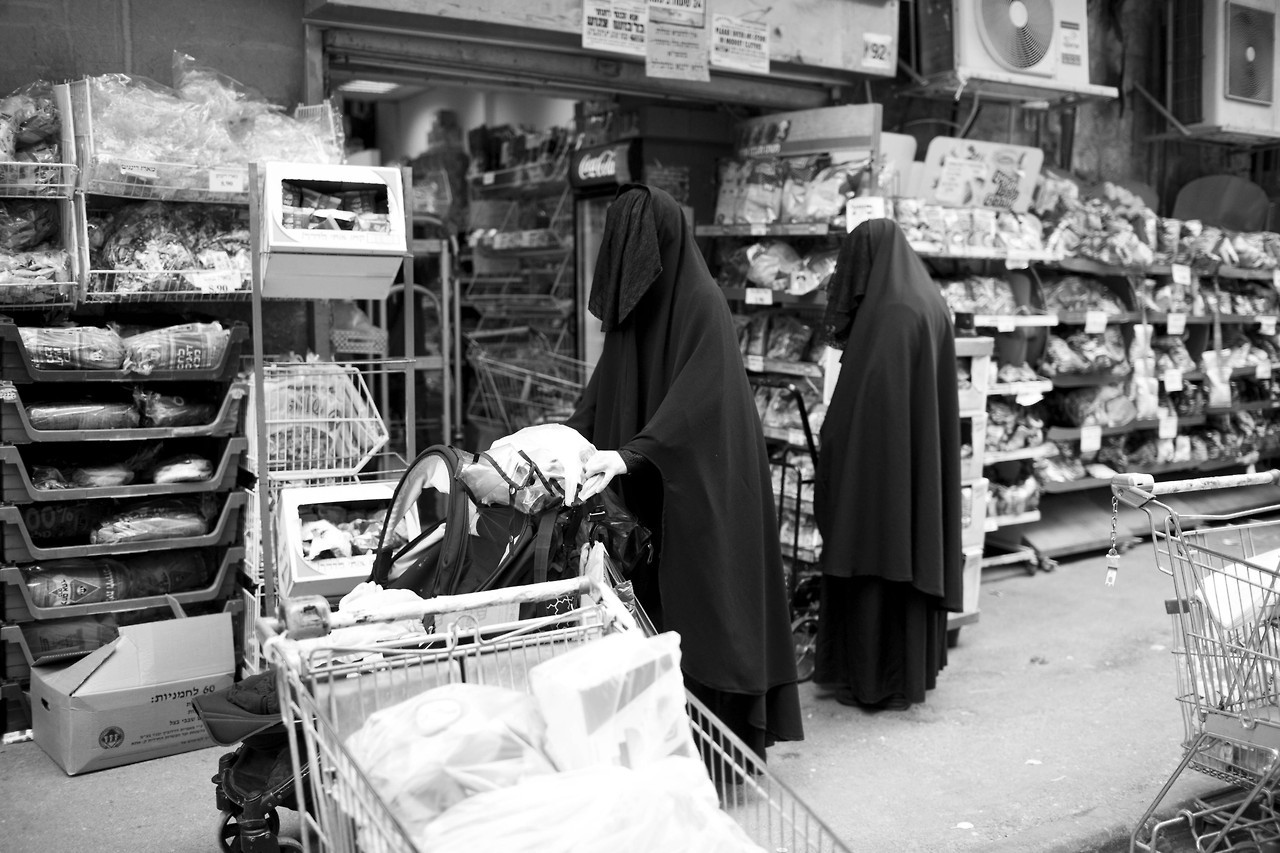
595	173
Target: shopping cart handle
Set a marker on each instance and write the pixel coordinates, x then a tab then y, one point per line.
1136	490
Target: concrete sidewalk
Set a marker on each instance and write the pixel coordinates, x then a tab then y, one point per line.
1052	728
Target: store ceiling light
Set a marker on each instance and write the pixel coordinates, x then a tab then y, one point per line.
368	87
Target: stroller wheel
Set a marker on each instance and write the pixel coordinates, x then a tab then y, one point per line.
229	837
804	636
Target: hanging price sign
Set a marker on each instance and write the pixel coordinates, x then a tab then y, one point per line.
1168	426
1095	322
1263	371
1175	324
755	363
1090	439
1181	274
759	296
1172	380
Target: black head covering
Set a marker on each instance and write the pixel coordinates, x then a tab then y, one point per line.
671	386
887	491
629	260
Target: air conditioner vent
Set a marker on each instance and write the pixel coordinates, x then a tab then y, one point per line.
1250	56
1019	33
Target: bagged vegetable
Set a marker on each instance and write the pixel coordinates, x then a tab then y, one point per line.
26	223
83	416
73	348
191	346
165	519
188	468
172	410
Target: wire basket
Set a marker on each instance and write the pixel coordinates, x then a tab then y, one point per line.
365	342
38	180
167	285
321	420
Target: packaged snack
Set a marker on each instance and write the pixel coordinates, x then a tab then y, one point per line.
188	468
83	416
73	348
191	346
762	200
89	580
788	338
171	410
1170	234
829	190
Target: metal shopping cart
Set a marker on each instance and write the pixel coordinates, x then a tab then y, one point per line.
328	690
1227	644
520	382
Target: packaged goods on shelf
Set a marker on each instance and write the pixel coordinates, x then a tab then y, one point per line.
1078	294
1013	427
1098	405
188	346
980	295
1064	466
768	190
1085	353
1019	496
73	348
27	223
60	583
778	409
83	416
31	151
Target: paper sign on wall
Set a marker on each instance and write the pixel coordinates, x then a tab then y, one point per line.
677	53
617	26
739	44
687	13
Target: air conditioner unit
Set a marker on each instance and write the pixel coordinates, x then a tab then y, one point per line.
1018	44
1222	65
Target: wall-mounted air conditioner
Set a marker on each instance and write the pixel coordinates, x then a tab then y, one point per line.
1011	47
1222	65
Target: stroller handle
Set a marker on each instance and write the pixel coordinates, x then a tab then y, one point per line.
1138	489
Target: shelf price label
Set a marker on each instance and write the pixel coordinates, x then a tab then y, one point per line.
1263	370
1005	323
1017	259
487	179
759	296
1181	274
1175	324
1172	380
1168	427
1090	439
758	229
1275	278
228	181
755	363
1267	325
1095	322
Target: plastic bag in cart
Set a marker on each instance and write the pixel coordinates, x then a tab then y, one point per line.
669	806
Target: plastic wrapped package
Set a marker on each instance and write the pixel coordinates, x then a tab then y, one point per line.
1103	405
799	173
28	117
155	520
89	580
73	348
1062	467
187	468
992	296
732	188
830	189
448	743
83	416
1075	293
172	410
762	197
788	338
190	346
44	276
558	452
26	223
958	296
772	263
616	700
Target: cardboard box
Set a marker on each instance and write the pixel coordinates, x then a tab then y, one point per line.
130	700
336	576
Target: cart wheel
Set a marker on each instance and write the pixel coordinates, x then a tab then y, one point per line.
229	831
804	636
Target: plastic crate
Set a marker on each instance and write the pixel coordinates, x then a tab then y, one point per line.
16	427
18	486
18	545
16	365
19	607
106	173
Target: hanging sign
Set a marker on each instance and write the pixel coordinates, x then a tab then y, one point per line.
616	26
677	53
605	165
878	52
740	44
686	13
974	173
1175	324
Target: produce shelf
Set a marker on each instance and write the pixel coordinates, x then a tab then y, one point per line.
1073	433
19	606
37	180
19	547
1040	451
18	487
113	286
16	427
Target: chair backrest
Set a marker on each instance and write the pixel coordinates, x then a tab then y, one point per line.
1225	201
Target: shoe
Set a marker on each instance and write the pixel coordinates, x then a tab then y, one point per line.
896	702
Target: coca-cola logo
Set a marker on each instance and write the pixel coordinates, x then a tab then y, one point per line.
593	167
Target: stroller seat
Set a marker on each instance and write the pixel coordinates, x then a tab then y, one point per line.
243	711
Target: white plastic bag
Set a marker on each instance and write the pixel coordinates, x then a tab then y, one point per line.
557	450
616	700
1240	595
436	749
669	806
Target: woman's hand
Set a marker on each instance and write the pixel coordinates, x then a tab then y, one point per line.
599	470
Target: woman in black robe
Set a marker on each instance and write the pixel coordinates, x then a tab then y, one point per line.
887	491
671	410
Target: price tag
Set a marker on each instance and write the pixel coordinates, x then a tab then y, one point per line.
1090	439
139	170
1006	324
877	51
487	178
1275	278
1172	380
1016	261
1267	325
1175	324
1263	371
755	363
1168	426
859	209
758	229
759	296
215	281
802	282
228	181
1095	322
8	393
1028	398
1181	274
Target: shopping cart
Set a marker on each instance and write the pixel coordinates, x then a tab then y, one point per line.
520	383
327	691
1227	644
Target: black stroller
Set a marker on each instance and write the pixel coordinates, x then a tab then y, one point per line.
523	534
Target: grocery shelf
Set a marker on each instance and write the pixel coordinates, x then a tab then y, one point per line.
1018	256
19	607
1039	451
37	180
18	486
774	229
1085	380
996	522
40	295
1017	389
16	365
533	180
767	296
1081	318
16	426
1087	483
1093	267
112	286
1073	433
1009	322
19	546
759	364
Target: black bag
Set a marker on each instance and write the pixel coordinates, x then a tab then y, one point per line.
509	547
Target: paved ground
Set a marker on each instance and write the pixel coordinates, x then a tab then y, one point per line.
1052	728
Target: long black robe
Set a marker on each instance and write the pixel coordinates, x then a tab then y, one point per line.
887	491
670	385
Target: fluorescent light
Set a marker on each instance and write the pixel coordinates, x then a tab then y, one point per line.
368	87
